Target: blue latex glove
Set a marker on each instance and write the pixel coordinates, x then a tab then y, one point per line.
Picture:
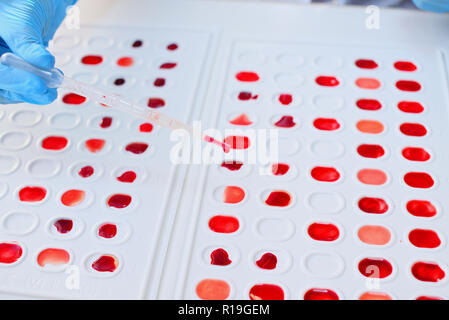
26	27
433	5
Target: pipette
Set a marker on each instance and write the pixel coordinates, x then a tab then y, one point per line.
54	78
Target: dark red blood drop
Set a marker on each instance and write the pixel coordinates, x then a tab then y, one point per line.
92	60
366	64
86	171
107	230
327	124
375	268
10	252
136	147
427	272
327	81
32	194
285	99
159	82
408	85
247	76
244	96
105	264
63	225
168	65
224	224
373	205
405	66
268	261
413	129
237	142
119	81
285	122
156	103
325	174
278	199
54	143
415	154
369	104
220	257
419	180
106	122
320	294
279	169
119	201
370	151
232	165
137	44
266	292
172	47
128	177
323	232
421	208
428	298
73	98
146	127
422	238
410	107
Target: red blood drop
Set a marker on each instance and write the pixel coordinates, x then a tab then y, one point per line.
137	44
232	165
172	47
95	145
327	124
266	292
168	65
119	81
244	96
325	174
92	59
247	76
285	99
224	224
241	120
373	205
159	82
371	151
285	122
237	142
156	103
419	180
415	154
278	199
106	122
10	252
107	230
327	81
369	104
54	143
408	85
137	147
73	98
428	298
320	294
146	127
63	225
220	257
323	232
119	201
410	107
413	129
127	177
366	64
268	261
86	171
422	238
421	208
405	66
105	264
125	62
279	169
32	194
427	272
375	268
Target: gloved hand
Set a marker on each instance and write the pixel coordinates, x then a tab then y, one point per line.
433	5
26	27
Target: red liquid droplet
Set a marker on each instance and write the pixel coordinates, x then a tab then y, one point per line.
369	104
10	252
327	81
424	238
325	174
366	64
373	205
320	294
105	264
224	224
107	230
233	194
413	129
266	292
421	208
279	169
172	47
168	65
405	66
92	60
327	124
63	225
95	145
156	103
119	81
73	98
323	232
86	171
410	107
415	154
106	122
247	76
427	272
159	82
137	147
408	85
73	198
137	44
268	261
54	143
419	180
371	151
237	142
220	257
285	122
146	127
232	165
375	268
241	120
245	96
53	256
119	201
127	177
285	99
428	298
278	199
125	62
32	194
